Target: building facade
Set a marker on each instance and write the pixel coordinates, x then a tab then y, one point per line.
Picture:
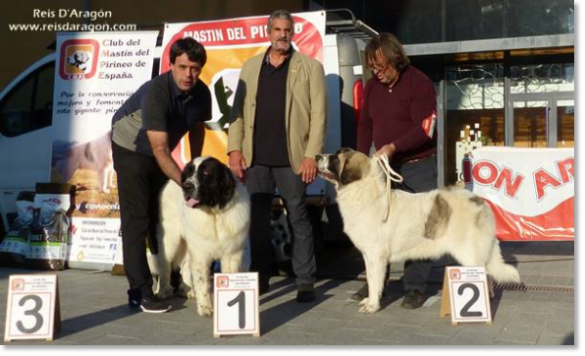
503	69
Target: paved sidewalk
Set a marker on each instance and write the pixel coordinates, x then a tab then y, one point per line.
94	309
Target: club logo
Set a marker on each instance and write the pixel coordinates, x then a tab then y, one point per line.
78	59
223	282
17	284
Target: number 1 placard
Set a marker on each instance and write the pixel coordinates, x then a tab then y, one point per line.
236	304
32	310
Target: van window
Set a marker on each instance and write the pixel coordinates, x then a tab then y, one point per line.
29	105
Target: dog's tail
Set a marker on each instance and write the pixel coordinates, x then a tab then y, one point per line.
499	270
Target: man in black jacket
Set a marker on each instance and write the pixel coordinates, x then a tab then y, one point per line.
145	130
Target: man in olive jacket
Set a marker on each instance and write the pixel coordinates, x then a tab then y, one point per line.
278	125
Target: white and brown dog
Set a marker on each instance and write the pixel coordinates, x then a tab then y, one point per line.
206	219
389	226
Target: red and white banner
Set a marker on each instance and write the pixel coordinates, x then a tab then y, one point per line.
531	191
229	43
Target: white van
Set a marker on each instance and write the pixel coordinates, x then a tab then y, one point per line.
26	110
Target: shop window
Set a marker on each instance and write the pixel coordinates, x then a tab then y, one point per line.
530	120
542	78
539	17
566	123
474	115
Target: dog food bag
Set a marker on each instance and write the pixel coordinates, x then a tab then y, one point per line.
14	246
50	229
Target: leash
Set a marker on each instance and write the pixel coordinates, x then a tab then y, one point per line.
391	176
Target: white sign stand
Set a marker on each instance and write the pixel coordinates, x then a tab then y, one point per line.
465	295
236	305
32	309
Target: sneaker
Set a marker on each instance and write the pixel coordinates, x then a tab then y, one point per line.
413	299
150	305
305	293
363	293
133	304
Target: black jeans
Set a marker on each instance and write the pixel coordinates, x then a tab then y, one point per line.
419	176
140	181
261	182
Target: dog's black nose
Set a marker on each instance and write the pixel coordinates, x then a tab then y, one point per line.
319	158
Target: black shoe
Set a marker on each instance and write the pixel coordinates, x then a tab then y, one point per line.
150	305
263	286
305	293
133	304
363	293
413	299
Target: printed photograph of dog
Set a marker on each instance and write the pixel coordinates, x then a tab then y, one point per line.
205	219
391	226
94	156
90	168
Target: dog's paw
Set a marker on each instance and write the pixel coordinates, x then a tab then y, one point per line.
204	310
369	309
364	301
184	291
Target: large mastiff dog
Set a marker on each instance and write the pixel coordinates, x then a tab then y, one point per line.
204	220
393	225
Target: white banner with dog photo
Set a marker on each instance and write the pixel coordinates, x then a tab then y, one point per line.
95	74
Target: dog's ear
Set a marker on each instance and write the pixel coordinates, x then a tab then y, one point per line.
188	171
227	185
217	183
349	174
353	166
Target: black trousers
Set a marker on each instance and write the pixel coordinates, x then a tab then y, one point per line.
261	182
419	176
140	181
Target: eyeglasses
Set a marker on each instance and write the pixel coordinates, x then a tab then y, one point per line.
376	67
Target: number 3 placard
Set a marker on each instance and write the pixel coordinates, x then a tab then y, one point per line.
32	308
236	304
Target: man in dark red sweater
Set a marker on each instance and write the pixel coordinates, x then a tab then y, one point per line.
399	116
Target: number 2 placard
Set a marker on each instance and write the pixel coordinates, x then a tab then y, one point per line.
32	308
465	295
236	304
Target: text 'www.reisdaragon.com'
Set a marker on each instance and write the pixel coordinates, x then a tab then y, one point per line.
71	20
74	27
